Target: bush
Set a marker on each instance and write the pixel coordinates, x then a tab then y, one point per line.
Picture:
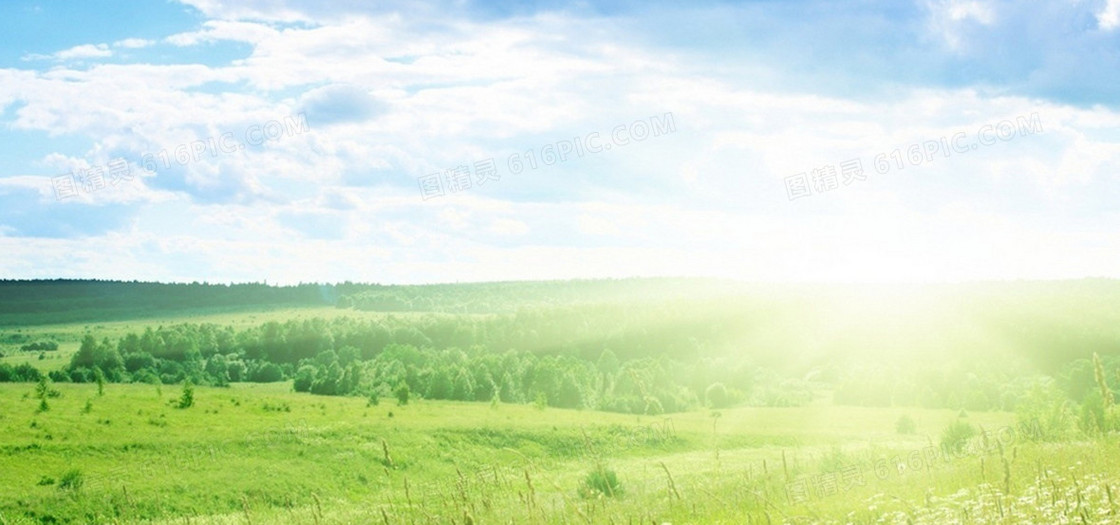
24	372
267	373
905	425
716	395
305	376
402	392
956	436
186	400
48	346
59	376
71	480
600	482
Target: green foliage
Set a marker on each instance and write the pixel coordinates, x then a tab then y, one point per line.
955	436
716	396
69	300
276	407
97	355
1046	409
632	346
905	425
99	376
402	392
186	398
72	480
21	373
834	461
600	482
43	346
267	373
305	376
1095	418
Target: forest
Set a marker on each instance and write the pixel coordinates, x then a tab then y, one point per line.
633	346
661	399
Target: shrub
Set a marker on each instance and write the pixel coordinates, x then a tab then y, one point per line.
905	425
834	461
305	376
99	376
402	392
186	400
267	373
653	406
71	480
25	372
716	395
600	481
956	436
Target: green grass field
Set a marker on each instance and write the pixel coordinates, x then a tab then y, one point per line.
262	454
257	453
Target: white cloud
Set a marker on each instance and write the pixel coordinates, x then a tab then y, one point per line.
275	10
952	20
133	43
509	227
84	51
1109	17
461	91
217	30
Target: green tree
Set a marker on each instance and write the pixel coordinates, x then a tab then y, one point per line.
305	376
327	381
267	373
186	399
716	395
462	389
905	425
608	363
99	376
218	370
956	436
439	384
402	393
570	394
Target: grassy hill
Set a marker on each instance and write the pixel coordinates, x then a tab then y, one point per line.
692	401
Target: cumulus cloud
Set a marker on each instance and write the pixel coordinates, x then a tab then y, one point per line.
81	52
218	30
85	51
1109	17
340	103
133	43
391	97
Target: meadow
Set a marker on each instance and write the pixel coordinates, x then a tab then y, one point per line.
131	451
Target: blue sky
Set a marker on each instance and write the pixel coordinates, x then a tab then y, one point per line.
298	140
